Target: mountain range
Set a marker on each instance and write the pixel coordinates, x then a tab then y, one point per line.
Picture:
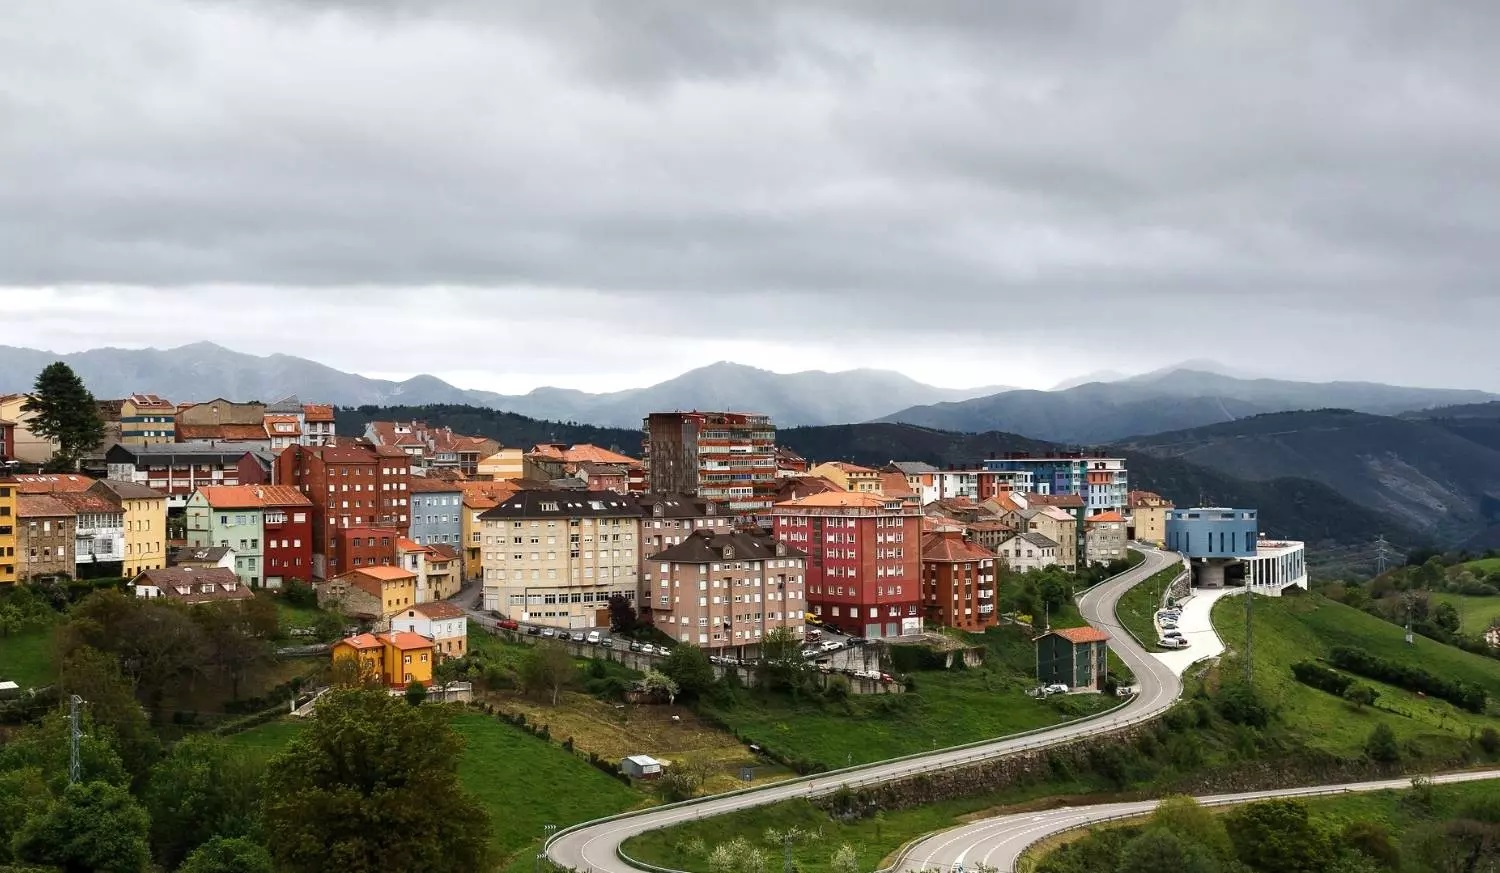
1167	400
203	371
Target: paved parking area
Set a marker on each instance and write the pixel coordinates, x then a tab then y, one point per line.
1198	629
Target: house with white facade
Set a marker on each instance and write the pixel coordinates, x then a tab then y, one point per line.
439	621
1028	551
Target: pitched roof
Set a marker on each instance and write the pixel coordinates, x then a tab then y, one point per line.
1081	634
1138	498
389	574
129	490
291	425
406	640
913	468
950	546
222	432
592	453
444	551
317	412
990	525
439	609
1105	516
226	585
676	505
851	499
793	487
1072	501
197	554
87	501
362	641
231	496
848	467
1038	540
893	484
151	401
564	504
704	546
432	485
40	506
52	483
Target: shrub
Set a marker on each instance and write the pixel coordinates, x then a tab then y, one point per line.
1239	703
1381	745
1461	694
1321	678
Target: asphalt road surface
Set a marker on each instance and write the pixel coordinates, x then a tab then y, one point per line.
592	846
999	842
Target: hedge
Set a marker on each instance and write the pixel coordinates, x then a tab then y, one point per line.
1464	695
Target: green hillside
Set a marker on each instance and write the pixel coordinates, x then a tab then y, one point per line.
1302	628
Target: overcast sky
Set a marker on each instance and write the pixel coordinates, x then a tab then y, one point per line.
603	194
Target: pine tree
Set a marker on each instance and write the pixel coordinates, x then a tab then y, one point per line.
65	413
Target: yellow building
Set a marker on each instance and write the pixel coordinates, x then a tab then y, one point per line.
478	497
393	587
850	477
397	659
1148	516
504	464
8	522
147	419
145	523
30	447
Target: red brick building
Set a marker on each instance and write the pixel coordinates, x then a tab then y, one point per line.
863	560
350	485
364	547
958	582
288	520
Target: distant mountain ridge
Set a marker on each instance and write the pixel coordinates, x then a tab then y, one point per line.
202	371
1161	401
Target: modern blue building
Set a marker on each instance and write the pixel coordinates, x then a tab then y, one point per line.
1213	532
437	509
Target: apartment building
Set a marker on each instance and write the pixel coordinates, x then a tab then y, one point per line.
850	477
349	486
179	469
1102	481
958	582
145	511
556	557
436	511
1148	517
44	537
9	496
1105	537
863	560
602	469
432	447
25	445
668	519
1028	551
7	440
230	516
728	457
98	533
147	418
723	589
477	498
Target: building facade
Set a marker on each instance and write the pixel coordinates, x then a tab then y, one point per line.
9	497
443	623
1276	566
1077	657
437	567
958	582
556	557
98	533
1105	538
44	537
1029	551
1148	517
1102	481
727	457
27	446
145	523
850	477
146	419
373	593
1213	539
668	519
286	519
230	516
864	557
362	547
349	486
722	589
179	469
437	507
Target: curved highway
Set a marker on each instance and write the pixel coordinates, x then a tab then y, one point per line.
592	846
1000	842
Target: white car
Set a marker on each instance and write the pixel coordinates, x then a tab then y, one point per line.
1058	688
594	637
1168	625
1172	643
832	646
648	649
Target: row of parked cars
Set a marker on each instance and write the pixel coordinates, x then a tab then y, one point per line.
1166	624
593	637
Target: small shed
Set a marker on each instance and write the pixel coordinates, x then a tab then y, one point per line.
1072	656
640	767
8	690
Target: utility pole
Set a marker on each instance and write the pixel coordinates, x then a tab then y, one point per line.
1249	631
75	767
1380	554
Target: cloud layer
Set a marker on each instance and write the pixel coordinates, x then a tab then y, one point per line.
1297	188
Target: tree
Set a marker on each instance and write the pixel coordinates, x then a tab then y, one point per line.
416	693
202	789
1239	702
228	855
781	661
370	786
237	637
63	411
548	667
1277	836
622	616
736	856
1184	817
92	826
1446	617
95	676
1373	840
22	792
42	749
1361	695
659	684
845	860
1158	849
690	668
1380	745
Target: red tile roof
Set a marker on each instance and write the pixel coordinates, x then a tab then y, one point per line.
1081	634
950	546
253	496
40	506
431	483
853	499
52	483
1105	516
317	412
362	641
389	574
895	485
151	401
87	501
1063	500
406	640
439	609
444	551
226	432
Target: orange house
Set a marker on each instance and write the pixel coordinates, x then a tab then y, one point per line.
399	659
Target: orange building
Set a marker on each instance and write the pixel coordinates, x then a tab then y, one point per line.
397	659
958	581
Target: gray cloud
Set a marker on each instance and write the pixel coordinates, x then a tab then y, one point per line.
921	177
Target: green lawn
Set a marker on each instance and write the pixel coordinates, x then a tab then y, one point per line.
947	708
26	658
678	847
1291	629
1482	565
1476	614
1137	606
523	781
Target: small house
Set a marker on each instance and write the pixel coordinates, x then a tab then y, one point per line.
640	767
1072	656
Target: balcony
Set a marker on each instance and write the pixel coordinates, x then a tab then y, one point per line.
986	594
986	608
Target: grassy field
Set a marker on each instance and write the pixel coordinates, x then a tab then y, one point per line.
523	781
1292	629
26	658
1476	614
685	846
1137	606
1483	565
946	708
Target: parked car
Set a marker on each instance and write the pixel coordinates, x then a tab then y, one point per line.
813	634
648	649
1172	643
1057	688
832	646
549	632
508	624
855	641
533	630
607	642
564	635
1173	634
886	677
663	651
1169	625
635	646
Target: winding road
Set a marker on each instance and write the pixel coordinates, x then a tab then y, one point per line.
593	846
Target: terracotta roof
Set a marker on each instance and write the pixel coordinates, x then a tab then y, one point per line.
226	432
580	453
386	573
227	585
362	641
270	422
894	485
1136	498
1003	503
87	501
317	412
52	483
1105	516
406	640
405	544
485	495
444	551
793	487
991	525
40	506
253	496
840	498
282	495
429	484
150	401
848	467
439	609
951	546
128	490
1064	500
1081	634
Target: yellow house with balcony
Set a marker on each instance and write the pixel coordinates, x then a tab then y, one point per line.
145	524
